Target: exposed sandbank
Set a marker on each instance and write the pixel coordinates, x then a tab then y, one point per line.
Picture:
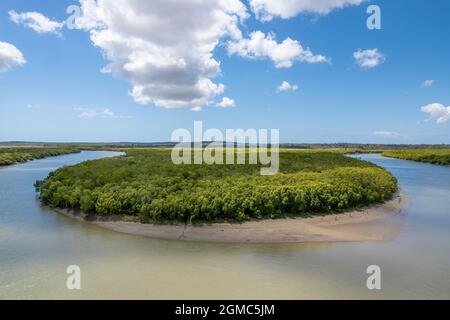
374	223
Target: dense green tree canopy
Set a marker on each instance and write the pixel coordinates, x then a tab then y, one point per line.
145	184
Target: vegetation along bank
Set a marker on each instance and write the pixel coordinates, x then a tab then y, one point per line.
434	156
10	156
146	186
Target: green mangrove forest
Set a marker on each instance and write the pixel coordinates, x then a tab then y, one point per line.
145	185
9	156
434	156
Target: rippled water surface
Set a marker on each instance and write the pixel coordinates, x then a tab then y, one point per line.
37	245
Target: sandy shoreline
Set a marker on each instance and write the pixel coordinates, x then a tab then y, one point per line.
374	223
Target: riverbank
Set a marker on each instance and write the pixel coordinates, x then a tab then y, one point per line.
15	155
365	224
432	156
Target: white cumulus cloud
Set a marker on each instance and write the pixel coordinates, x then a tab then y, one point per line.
196	109
286	86
36	21
226	103
283	54
10	57
386	134
437	112
369	58
164	48
88	113
265	10
427	83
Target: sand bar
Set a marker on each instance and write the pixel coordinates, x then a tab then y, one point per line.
377	223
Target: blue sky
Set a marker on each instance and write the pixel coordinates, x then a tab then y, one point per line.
60	93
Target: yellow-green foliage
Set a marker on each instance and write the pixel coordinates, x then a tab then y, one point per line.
146	184
15	155
435	156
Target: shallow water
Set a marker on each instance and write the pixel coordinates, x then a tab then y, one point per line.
37	245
